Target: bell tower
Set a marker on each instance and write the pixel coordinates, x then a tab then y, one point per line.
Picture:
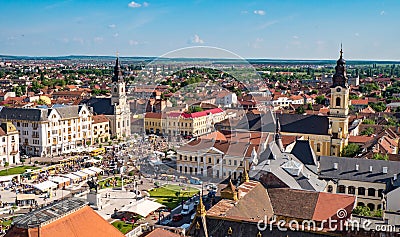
118	94
339	107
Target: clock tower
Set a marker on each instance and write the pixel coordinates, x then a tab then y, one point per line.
339	108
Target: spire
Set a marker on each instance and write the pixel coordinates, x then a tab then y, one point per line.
117	71
278	137
340	76
245	174
201	209
229	192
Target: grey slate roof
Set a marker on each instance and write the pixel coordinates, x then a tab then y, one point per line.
264	122
347	169
24	114
271	161
303	151
48	213
39	114
100	105
307	124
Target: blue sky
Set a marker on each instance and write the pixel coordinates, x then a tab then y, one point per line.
288	29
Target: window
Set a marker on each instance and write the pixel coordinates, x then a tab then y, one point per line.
337	101
351	190
361	191
371	206
330	188
371	192
318	147
341	189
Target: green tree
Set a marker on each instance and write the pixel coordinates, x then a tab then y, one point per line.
378	107
378	213
320	99
194	109
368	131
350	150
362	211
309	106
300	110
368	121
378	156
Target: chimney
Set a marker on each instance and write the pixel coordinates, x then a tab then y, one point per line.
385	170
335	166
395	177
370	168
357	167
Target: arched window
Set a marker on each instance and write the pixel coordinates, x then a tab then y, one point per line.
351	190
371	192
361	204
330	188
361	191
337	101
371	206
318	147
341	189
115	89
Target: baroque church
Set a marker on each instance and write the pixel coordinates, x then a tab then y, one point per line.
116	108
328	135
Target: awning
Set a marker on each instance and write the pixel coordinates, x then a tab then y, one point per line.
142	207
80	174
72	176
96	169
45	186
7	178
88	171
59	179
24	196
92	161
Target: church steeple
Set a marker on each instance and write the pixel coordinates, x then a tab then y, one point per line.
117	71
340	76
278	138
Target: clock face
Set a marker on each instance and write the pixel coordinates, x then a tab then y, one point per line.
338	89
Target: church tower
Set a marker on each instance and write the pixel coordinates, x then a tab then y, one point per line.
339	107
118	94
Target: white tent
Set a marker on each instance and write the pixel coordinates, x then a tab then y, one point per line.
89	172
142	207
80	174
72	177
59	179
7	178
45	186
96	169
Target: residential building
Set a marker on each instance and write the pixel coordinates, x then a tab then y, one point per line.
368	179
100	129
51	131
9	144
186	124
220	156
226	99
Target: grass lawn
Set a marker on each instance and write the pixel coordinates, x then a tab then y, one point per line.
171	195
17	170
123	227
102	184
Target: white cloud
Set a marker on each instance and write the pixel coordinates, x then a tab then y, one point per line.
259	12
256	44
145	4
133	42
115	35
382	13
134	4
357	34
112	26
295	37
98	39
267	24
77	39
197	40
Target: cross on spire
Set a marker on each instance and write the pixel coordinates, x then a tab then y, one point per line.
341	50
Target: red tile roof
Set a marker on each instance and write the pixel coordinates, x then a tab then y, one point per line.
158	232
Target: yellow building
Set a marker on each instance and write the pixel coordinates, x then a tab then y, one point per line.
101	128
185	124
